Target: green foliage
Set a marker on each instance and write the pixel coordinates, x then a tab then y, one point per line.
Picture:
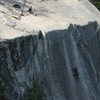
34	93
2	93
2	98
22	84
96	4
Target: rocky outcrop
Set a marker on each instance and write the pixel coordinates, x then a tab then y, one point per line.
50	60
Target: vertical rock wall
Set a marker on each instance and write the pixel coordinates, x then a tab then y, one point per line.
50	60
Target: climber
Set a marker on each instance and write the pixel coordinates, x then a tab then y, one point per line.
75	73
31	12
30	9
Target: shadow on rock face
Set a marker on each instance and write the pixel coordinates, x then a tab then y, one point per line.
51	58
2	98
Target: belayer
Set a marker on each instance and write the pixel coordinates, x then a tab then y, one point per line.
31	12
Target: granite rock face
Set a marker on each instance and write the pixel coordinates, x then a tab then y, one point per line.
50	60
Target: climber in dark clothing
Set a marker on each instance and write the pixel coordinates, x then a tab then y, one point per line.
31	12
75	73
30	9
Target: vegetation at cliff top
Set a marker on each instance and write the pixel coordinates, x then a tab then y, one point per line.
96	4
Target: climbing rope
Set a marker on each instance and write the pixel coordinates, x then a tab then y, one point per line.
22	10
8	14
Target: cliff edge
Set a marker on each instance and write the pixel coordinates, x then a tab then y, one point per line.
52	56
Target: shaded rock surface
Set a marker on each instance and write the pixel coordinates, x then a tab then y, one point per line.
69	38
50	59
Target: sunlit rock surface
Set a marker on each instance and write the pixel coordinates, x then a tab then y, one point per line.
48	55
